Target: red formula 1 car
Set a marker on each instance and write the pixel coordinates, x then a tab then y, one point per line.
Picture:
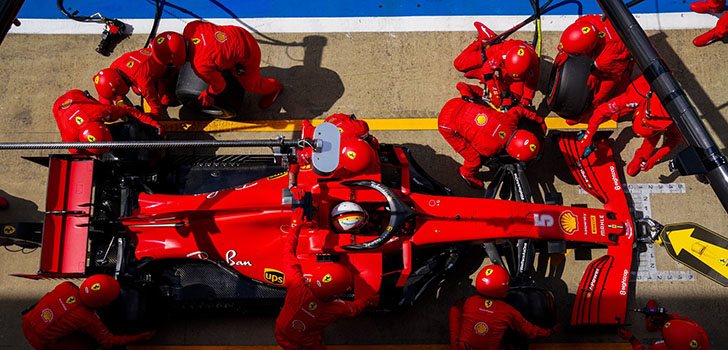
210	229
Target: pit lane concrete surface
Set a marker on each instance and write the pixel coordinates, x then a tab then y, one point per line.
375	75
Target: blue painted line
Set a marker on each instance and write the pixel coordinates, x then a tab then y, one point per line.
185	9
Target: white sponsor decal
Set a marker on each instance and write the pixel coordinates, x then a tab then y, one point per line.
593	282
625	282
615	178
230	256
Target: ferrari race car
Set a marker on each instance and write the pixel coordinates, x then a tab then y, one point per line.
209	230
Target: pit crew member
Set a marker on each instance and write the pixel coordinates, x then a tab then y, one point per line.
145	76
66	319
476	131
649	120
212	49
312	304
721	28
80	118
509	70
479	322
591	36
678	332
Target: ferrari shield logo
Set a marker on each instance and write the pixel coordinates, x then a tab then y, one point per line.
96	79
502	134
70	300
130	64
480	328
8	230
521	52
327	278
481	119
351	154
220	36
693	344
568	222
602	34
312	306
274	276
91	138
488	272
585	30
488	303
532	147
79	120
96	286
160	40
195	41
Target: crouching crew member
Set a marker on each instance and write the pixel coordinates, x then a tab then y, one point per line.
649	120
721	28
212	49
312	305
145	76
480	321
678	332
476	131
66	319
80	118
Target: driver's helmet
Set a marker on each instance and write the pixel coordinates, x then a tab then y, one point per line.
518	61
169	48
684	335
492	281
348	217
523	145
99	290
579	39
109	84
95	132
330	280
348	125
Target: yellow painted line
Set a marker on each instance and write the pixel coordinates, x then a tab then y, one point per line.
537	346
394	124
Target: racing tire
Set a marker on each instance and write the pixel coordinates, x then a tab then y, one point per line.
569	95
190	86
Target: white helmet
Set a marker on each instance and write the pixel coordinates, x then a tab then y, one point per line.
348	217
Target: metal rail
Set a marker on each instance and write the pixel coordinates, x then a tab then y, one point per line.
156	144
673	97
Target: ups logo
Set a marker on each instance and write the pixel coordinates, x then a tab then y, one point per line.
274	276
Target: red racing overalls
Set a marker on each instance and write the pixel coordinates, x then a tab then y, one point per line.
74	110
652	124
479	324
215	49
303	316
60	321
148	78
474	130
501	89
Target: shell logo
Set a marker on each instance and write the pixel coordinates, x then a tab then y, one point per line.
146	52
327	278
67	103
568	222
298	325
585	30
46	315
220	36
481	119
521	52
480	328
351	154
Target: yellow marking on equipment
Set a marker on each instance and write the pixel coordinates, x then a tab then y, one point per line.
539	346
394	124
714	256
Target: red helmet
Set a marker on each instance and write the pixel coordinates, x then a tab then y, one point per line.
348	217
349	126
330	280
492	281
579	39
684	335
95	132
356	155
99	290
523	145
518	61
170	48
109	84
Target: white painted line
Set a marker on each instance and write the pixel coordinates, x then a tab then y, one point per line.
662	21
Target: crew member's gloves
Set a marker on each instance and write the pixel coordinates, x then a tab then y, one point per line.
206	99
650	163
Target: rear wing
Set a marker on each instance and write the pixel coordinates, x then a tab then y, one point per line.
68	208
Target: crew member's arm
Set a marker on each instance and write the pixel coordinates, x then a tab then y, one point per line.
294	274
530	330
91	324
614	60
211	75
455	319
470	58
149	91
613	109
530	85
364	298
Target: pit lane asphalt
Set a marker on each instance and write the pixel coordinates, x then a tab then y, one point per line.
375	75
